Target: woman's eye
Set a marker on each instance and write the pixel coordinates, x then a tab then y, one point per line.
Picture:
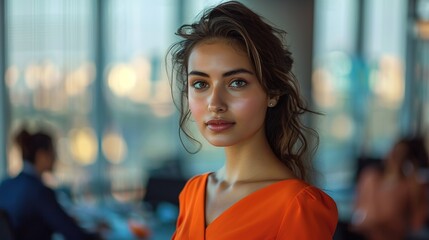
199	85
238	83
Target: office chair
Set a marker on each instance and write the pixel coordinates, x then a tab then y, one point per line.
6	232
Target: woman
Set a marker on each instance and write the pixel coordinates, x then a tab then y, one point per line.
31	206
234	76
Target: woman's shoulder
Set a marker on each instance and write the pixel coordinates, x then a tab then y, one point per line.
196	181
301	197
314	195
310	208
301	190
294	195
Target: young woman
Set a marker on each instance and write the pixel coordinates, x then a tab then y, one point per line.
234	76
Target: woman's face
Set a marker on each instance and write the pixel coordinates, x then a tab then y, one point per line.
225	97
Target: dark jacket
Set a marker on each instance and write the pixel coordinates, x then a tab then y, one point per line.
34	211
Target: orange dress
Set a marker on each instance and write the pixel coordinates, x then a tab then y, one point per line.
288	209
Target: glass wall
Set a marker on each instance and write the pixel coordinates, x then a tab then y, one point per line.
359	85
55	77
93	72
49	77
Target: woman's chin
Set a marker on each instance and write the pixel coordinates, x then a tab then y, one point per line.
220	144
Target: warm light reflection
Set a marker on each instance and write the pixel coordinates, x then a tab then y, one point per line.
46	75
131	195
11	76
47	87
323	88
342	127
161	105
83	145
32	76
141	93
78	80
122	79
133	81
49	76
422	28
332	79
40	100
388	81
15	163
114	147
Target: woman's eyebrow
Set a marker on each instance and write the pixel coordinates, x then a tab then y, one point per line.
237	71
198	73
227	74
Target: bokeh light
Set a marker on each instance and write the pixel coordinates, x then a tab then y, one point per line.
83	145
387	82
162	102
32	76
323	88
141	93
122	79
342	127
422	29
78	80
12	75
114	147
50	75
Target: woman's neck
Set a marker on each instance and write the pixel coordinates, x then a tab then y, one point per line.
252	162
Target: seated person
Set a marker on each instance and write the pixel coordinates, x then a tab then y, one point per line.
390	201
32	207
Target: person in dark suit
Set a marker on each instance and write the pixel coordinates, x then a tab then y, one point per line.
32	207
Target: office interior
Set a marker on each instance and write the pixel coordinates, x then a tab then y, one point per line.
95	71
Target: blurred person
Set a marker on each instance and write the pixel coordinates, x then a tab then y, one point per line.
31	206
234	76
390	200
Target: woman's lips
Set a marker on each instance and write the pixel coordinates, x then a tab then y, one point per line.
219	125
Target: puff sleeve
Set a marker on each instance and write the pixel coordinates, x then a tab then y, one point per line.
311	215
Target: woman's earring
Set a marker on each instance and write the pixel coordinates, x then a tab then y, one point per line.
272	103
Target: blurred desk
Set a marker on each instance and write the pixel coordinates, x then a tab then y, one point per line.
120	231
127	222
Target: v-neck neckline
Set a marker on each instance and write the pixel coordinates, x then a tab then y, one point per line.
237	203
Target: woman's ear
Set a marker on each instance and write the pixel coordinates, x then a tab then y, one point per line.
272	102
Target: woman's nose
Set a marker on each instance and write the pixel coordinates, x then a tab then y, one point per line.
216	101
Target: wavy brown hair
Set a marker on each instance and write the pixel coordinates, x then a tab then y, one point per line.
272	61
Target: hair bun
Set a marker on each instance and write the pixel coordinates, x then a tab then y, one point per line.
23	138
